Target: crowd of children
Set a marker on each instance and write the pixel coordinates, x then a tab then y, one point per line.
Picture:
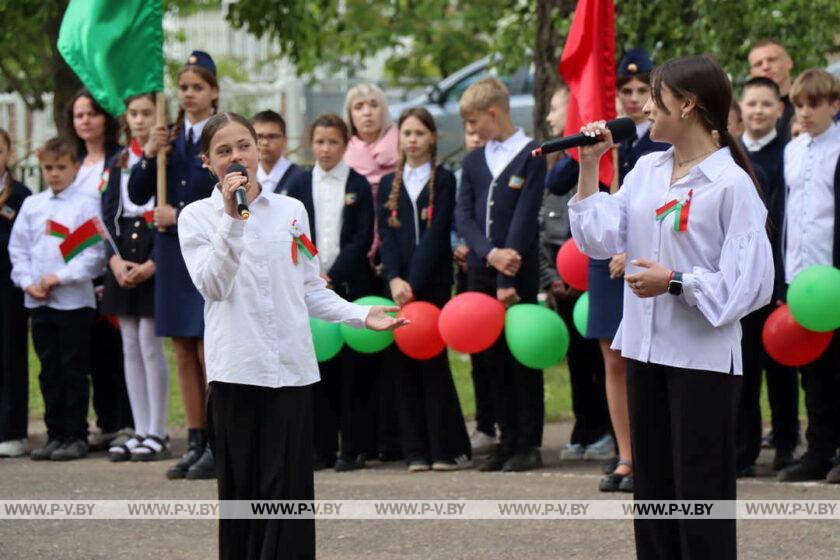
388	219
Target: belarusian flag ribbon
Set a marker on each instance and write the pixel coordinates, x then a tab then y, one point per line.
103	182
149	217
57	230
680	211
300	242
87	234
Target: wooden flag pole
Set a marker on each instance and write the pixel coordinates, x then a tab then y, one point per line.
160	106
614	185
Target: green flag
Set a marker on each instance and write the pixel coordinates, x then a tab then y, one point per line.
115	48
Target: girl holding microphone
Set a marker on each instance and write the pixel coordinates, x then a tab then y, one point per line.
693	225
259	292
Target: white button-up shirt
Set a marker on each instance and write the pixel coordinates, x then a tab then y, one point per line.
257	301
724	255
499	154
197	129
89	178
414	179
35	254
328	199
269	180
759	143
809	211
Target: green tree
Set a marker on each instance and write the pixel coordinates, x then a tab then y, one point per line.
29	62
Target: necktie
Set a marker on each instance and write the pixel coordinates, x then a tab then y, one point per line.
190	141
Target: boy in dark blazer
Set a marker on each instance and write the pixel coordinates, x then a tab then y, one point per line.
275	173
497	216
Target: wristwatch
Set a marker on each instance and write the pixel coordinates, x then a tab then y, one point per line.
675	283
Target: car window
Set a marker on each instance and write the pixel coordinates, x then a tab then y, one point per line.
453	94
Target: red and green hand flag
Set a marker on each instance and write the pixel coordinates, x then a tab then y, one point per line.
87	234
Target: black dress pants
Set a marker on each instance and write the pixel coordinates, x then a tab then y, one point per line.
518	391
262	441
682	425
586	377
782	392
14	365
62	342
821	381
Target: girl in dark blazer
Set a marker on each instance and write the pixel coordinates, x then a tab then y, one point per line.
179	308
416	205
14	368
338	202
130	290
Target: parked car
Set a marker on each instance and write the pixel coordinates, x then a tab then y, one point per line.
441	100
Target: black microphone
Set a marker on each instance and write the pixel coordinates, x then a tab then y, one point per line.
621	129
240	193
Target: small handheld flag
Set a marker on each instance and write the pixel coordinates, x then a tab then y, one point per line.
87	234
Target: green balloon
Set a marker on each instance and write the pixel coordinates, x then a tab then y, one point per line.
367	341
326	337
814	298
537	337
580	315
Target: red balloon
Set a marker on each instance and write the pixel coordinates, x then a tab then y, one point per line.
788	342
421	339
573	266
471	322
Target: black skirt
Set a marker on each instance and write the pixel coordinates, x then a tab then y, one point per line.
135	243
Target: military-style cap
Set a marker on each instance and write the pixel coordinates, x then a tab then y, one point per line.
635	61
201	58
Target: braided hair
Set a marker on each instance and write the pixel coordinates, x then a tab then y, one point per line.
211	80
426	119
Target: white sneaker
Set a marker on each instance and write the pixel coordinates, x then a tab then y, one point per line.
459	463
14	448
479	442
572	452
601	450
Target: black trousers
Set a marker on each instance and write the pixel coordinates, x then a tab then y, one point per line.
107	376
62	342
782	392
517	390
821	382
485	418
586	376
262	441
343	404
14	365
682	425
431	421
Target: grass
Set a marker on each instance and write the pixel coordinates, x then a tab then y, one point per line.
558	402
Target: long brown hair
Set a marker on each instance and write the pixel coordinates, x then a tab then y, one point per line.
122	160
111	138
211	80
422	115
7	191
701	78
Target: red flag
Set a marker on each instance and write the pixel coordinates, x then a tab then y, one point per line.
588	67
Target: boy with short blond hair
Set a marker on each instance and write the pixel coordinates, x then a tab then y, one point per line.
56	253
497	216
812	237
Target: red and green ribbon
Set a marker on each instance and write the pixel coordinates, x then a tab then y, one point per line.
680	211
103	182
57	230
87	234
304	245
149	217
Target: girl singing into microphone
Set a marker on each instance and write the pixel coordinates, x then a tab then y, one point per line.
692	223
260	281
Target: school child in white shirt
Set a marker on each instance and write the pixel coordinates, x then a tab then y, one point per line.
260	286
